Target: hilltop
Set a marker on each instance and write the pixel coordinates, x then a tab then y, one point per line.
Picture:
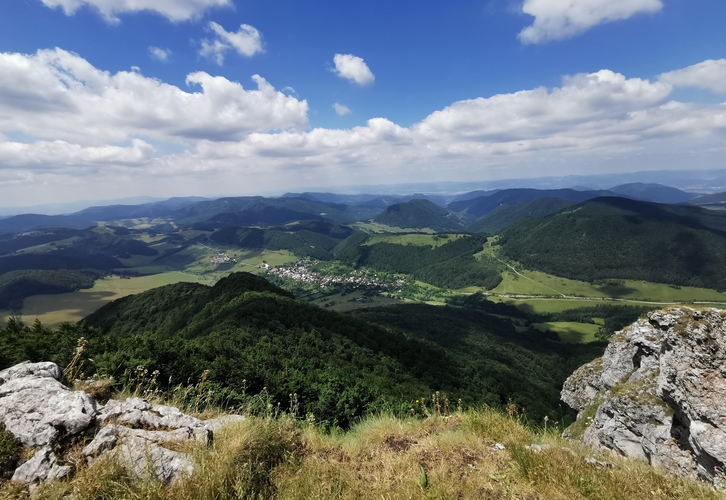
422	214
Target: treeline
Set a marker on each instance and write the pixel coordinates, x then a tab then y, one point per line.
452	265
252	335
16	286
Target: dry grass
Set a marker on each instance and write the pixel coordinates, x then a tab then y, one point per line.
385	457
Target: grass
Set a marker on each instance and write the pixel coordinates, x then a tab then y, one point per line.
377	227
571	332
388	457
415	239
52	310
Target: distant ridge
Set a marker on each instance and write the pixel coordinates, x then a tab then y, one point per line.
484	204
657	193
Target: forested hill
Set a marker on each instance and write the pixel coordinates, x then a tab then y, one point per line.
252	335
621	238
482	205
506	215
421	214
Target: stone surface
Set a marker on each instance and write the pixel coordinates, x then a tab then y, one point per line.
142	452
659	392
42	467
36	408
137	412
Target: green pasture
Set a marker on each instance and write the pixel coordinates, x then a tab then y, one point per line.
416	239
377	227
538	283
54	309
571	332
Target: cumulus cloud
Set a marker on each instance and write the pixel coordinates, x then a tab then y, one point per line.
174	10
561	19
55	155
709	75
353	68
247	42
341	110
55	94
252	140
160	54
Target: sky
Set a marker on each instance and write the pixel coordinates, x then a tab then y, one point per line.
103	99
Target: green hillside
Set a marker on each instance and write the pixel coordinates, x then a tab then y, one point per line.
627	239
456	264
254	337
314	239
506	215
420	214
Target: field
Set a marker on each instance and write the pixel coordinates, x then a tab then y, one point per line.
415	239
377	227
570	332
54	309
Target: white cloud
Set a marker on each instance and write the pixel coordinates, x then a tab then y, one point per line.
341	110
561	19
353	68
174	10
247	141
46	155
709	75
55	94
160	54
247	42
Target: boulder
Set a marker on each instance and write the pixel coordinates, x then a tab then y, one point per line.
143	452
658	393
36	408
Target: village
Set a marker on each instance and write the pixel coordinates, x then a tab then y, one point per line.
304	271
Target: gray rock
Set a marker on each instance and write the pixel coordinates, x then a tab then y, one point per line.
138	412
214	424
660	392
35	407
142	452
41	468
599	463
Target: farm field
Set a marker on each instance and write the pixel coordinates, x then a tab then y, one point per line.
377	227
54	309
571	332
416	239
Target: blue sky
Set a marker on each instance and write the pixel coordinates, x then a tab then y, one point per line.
110	98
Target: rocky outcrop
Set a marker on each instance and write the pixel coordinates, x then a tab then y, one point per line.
658	393
44	416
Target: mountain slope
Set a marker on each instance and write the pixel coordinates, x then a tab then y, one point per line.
421	214
484	204
628	239
505	215
251	334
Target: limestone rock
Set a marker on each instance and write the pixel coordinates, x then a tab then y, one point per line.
659	392
42	467
143	452
137	412
36	408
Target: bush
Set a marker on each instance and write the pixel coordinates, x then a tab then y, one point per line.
9	451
